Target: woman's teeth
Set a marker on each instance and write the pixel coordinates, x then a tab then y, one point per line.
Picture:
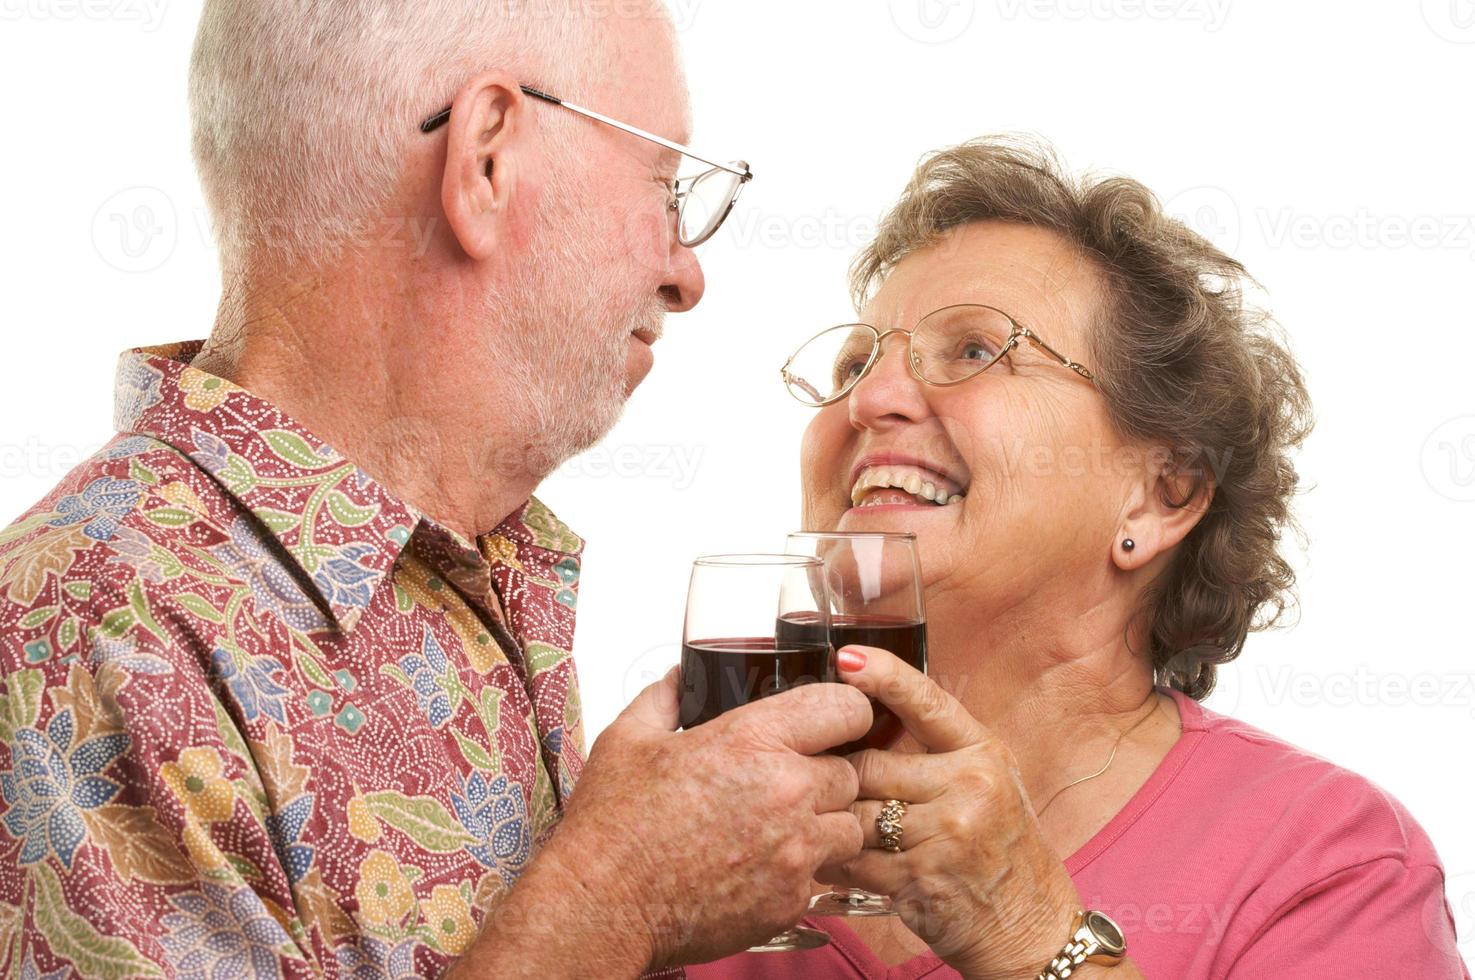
878	486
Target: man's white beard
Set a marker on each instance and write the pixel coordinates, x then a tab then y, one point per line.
571	377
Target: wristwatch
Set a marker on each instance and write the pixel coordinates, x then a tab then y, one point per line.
1095	939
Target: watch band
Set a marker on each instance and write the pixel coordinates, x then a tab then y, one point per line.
1071	956
1084	944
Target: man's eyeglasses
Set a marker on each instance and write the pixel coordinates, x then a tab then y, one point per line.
946	347
701	202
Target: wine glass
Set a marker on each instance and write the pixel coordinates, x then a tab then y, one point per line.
875	593
732	651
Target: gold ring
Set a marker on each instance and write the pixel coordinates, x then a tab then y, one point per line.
888	824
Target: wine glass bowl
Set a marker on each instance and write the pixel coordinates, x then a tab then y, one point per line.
874	585
733	650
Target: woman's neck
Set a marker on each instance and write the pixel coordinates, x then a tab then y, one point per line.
1061	696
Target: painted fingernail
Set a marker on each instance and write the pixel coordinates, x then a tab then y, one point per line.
851	660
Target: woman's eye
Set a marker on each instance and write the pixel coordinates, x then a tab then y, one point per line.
973	350
848	369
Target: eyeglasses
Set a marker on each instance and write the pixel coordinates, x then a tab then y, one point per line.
946	347
701	202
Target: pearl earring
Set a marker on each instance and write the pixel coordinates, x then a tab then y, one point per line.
1128	544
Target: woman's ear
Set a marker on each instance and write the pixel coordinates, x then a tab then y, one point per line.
483	154
1169	501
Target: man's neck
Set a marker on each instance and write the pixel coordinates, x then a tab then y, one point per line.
387	387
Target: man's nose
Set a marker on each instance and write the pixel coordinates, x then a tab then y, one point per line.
684	283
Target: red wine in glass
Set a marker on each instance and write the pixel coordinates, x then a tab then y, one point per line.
904	638
718	675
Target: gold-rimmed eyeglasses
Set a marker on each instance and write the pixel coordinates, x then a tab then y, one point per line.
947	347
701	201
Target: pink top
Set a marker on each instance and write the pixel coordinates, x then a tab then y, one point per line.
1240	858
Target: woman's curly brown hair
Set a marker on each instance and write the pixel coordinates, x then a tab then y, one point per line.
1182	361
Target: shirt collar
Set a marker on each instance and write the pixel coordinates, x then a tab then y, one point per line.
340	526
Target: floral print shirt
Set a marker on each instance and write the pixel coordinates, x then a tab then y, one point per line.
258	717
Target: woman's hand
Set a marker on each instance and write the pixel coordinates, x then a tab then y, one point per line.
975	878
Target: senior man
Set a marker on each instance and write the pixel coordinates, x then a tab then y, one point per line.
287	682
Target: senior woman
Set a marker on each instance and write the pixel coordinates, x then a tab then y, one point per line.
1067	400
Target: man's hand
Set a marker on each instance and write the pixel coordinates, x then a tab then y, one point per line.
706	841
682	847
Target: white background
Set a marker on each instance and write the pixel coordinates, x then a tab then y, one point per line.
1326	145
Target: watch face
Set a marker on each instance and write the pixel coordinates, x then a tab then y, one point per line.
1106	932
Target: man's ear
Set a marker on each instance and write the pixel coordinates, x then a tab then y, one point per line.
1171	498
482	158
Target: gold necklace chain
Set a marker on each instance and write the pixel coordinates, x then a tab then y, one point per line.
1106	765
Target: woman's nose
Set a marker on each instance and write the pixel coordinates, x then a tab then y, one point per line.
889	392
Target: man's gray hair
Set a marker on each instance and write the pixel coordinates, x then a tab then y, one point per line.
303	110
